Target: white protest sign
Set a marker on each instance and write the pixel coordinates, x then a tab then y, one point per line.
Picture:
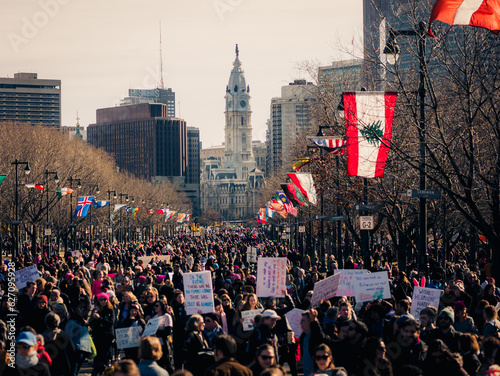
252	254
271	273
198	292
326	288
372	286
151	327
170	275
127	338
147	259
23	276
346	282
248	317
293	318
423	297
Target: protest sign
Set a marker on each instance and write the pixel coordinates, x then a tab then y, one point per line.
248	317
156	258
127	338
198	292
23	276
423	297
151	327
294	317
372	286
325	289
271	273
346	282
252	254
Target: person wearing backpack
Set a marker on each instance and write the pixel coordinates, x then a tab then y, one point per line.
492	324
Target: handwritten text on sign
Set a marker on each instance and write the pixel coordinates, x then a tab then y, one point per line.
248	317
423	297
271	273
346	283
326	288
23	276
372	286
127	338
199	292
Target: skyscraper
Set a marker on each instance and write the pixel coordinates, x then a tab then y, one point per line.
29	99
158	95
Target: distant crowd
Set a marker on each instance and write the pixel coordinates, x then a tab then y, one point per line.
67	318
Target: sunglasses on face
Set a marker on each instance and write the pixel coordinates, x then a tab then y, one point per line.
23	346
321	357
267	357
103	300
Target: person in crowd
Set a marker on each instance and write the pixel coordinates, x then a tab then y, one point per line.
469	349
375	362
102	321
27	301
126	367
463	322
27	361
151	299
37	320
427	319
178	305
149	353
78	331
134	319
196	348
412	349
225	363
63	350
445	330
312	336
492	324
323	361
489	294
212	327
346	313
263	332
164	334
96	285
128	298
265	357
441	361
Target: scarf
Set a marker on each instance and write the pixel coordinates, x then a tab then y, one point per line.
28	361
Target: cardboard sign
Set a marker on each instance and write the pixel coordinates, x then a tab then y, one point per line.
127	338
326	288
346	282
23	276
271	273
293	318
372	286
248	317
423	297
151	327
198	292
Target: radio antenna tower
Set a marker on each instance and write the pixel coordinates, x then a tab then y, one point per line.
161	65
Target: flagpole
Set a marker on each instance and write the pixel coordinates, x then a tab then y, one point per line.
110	227
17	222
48	224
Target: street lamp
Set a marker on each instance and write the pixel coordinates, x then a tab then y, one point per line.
48	223
392	49
90	223
110	227
72	224
17	222
126	200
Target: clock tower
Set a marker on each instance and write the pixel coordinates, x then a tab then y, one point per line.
238	152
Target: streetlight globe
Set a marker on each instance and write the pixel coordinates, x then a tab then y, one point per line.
98	190
27	169
56	178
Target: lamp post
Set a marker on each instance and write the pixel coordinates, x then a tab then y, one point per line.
392	49
121	229
90	223
17	222
72	224
48	223
128	221
110	227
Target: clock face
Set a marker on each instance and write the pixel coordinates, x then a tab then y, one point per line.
243	104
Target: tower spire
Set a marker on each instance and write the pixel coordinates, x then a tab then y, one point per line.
237	50
161	64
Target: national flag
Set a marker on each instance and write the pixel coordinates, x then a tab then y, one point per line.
181	217
188	217
134	212
37	186
161	211
279	208
334	145
290	209
63	192
83	206
368	118
300	162
170	214
269	212
101	204
294	193
128	208
2	177
261	216
479	13
305	183
117	207
291	197
282	197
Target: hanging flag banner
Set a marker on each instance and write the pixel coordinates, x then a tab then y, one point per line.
334	145
37	186
480	13
423	297
198	292
2	177
101	204
271	273
368	118
83	206
63	192
300	162
305	184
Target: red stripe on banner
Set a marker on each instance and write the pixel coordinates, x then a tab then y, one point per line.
352	143
385	145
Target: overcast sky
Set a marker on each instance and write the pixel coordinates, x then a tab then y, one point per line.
101	48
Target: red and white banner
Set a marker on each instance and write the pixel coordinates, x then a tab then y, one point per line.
368	118
480	13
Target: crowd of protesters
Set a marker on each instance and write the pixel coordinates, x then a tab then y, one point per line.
67	317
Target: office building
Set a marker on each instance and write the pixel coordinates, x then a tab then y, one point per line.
26	98
158	95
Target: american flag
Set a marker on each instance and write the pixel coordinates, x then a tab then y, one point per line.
334	145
